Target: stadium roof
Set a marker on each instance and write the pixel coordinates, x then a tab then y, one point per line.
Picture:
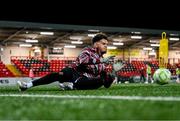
15	33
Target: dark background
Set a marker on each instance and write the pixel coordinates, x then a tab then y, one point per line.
137	14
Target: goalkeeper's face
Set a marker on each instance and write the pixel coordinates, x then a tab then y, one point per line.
102	46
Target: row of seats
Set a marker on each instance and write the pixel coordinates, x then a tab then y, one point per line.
4	71
42	67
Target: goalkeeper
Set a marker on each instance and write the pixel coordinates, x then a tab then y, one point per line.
88	71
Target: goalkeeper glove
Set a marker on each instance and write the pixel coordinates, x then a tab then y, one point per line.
118	66
107	59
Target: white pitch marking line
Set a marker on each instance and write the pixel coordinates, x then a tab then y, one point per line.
151	98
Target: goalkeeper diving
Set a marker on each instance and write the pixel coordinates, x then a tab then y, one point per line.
88	71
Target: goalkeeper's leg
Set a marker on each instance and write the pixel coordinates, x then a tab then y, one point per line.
65	75
49	78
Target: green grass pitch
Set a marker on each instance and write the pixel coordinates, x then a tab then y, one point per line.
50	108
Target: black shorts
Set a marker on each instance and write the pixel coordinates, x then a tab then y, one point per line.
69	75
84	83
80	82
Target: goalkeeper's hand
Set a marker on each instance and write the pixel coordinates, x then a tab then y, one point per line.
107	59
118	66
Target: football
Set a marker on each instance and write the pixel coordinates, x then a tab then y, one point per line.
162	76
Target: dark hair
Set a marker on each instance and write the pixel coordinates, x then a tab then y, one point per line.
98	37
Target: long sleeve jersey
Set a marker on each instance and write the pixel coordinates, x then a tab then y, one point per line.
88	63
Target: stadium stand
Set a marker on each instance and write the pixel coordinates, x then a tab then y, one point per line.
4	71
42	67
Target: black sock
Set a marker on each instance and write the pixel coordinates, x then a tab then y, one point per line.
49	78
